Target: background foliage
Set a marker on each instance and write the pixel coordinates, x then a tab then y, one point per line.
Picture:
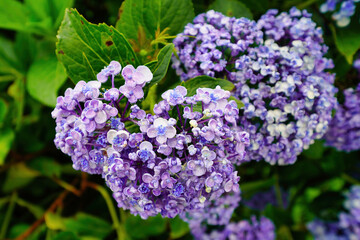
42	197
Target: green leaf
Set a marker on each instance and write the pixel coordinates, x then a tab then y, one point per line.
13	15
85	48
206	82
66	236
162	63
154	15
18	176
57	9
88	225
20	228
17	92
231	8
46	166
347	40
47	14
39	19
26	50
259	6
178	227
54	221
44	79
6	139
33	16
3	111
334	163
8	58
334	184
139	228
150	100
315	151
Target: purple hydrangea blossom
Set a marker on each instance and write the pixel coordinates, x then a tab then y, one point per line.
165	164
348	225
204	45
343	15
135	80
175	96
217	211
253	229
113	69
179	167
278	68
344	130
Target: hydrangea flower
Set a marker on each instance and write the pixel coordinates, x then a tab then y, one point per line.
113	69
263	229
348	225
170	162
344	131
210	44
217	211
343	15
278	68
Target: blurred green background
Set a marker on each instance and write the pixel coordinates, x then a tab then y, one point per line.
42	197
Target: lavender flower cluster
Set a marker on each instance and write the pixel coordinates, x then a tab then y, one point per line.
217	211
217	214
278	67
263	229
343	15
348	226
169	162
344	131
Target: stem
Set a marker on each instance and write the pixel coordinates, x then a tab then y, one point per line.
204	120
67	186
118	101
8	215
125	108
350	179
119	229
79	106
278	190
112	81
179	115
58	201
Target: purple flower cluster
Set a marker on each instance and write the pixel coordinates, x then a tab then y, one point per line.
343	15
348	226
212	43
170	162
217	214
263	229
278	68
217	211
344	131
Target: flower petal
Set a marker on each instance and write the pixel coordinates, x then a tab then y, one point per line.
101	117
110	135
